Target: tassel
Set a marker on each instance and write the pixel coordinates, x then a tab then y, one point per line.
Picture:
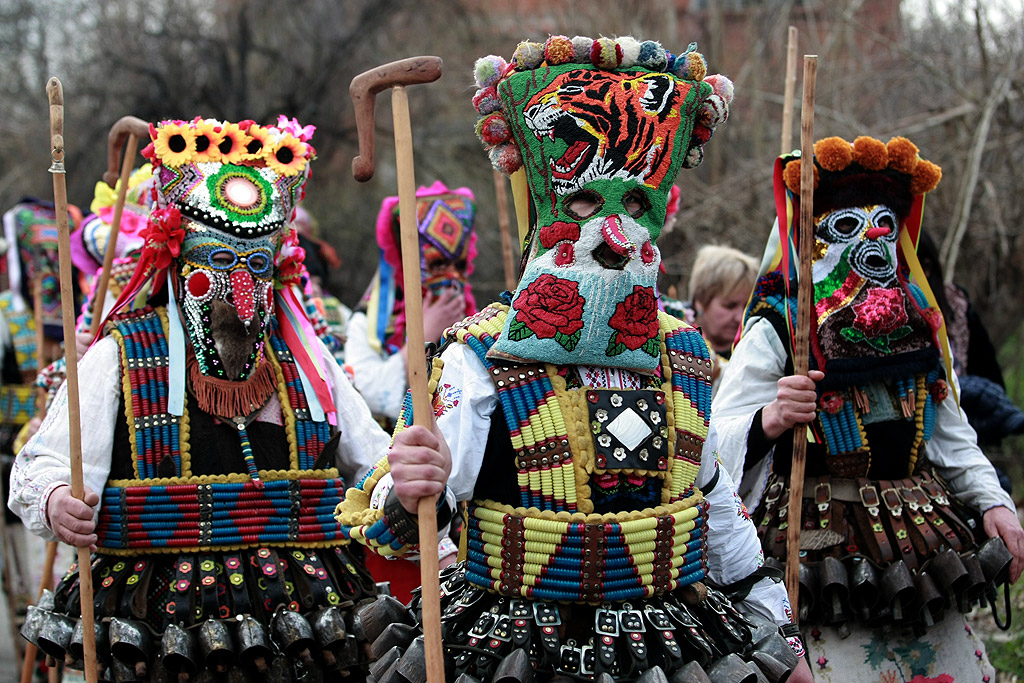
861	401
223	397
250	461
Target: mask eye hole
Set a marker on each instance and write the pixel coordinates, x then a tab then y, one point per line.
636	203
887	220
583	204
222	259
257	263
846	226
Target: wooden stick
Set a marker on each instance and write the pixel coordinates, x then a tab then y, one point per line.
114	141
396	76
60	203
802	346
790	93
500	190
28	665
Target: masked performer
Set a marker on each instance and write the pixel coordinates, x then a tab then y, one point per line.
899	500
375	352
218	435
575	413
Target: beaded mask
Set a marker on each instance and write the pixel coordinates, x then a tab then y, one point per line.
224	193
873	310
600	128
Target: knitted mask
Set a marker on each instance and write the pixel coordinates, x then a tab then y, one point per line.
89	243
600	128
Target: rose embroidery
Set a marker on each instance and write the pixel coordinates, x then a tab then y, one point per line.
550	308
636	324
880	319
163	236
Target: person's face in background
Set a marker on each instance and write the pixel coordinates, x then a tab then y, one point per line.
720	318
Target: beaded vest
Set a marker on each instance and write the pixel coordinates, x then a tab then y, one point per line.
187	512
568	539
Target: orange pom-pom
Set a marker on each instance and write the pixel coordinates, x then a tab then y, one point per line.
791	176
870	153
926	176
833	154
558	50
902	155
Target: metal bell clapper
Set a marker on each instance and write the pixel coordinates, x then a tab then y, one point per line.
131	643
294	635
179	652
255	650
215	645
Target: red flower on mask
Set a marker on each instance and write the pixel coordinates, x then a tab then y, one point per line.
883	312
163	235
636	323
289	259
549	306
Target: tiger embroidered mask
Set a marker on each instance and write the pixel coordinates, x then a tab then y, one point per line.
600	128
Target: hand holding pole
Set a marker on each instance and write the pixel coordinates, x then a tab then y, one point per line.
55	94
363	89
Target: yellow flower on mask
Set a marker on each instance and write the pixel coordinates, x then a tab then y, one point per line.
232	144
288	156
208	138
175	144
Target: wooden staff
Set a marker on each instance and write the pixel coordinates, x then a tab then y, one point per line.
364	88
55	94
802	347
787	102
511	276
130	128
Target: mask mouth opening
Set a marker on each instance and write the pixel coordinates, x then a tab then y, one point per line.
609	258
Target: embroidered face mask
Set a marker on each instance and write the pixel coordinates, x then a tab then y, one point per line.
600	133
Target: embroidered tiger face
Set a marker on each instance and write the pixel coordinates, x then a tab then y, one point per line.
614	125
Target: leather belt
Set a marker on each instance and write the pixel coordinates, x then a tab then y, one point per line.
893	502
922	514
872	503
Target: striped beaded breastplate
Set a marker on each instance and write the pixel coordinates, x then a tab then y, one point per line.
567	540
187	512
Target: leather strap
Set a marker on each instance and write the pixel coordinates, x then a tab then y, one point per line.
823	499
894	504
922	514
873	503
953	521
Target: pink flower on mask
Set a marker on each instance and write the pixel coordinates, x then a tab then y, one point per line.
295	129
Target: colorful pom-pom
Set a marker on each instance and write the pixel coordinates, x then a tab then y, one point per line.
488	70
926	176
714	111
870	153
581	49
693	157
691	66
558	50
791	175
493	129
701	134
605	53
630	47
486	101
833	154
722	85
528	55
506	158
651	56
670	62
902	155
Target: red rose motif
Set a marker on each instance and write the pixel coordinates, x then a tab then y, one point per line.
550	305
636	318
883	312
939	390
831	402
163	236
